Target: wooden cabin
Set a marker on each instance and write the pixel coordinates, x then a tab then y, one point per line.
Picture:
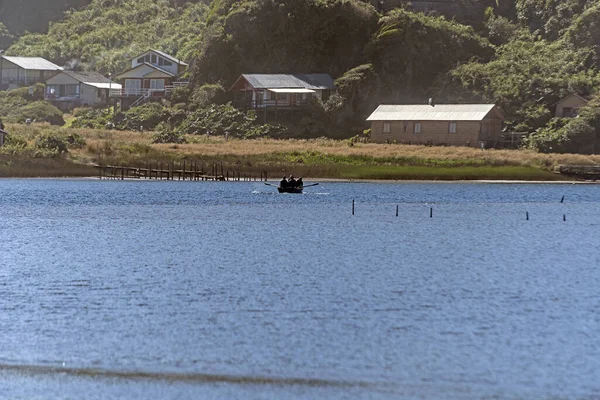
568	107
280	91
475	125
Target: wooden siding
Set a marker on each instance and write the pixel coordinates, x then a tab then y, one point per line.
468	133
573	102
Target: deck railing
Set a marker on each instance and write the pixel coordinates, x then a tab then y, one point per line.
145	92
55	97
274	103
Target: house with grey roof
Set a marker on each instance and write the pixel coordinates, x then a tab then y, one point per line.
280	91
69	89
24	71
472	125
153	74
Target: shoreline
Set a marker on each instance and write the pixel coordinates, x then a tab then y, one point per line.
323	180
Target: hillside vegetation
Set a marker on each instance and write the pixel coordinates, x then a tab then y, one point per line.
521	54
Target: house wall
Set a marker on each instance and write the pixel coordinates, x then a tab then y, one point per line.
62	79
468	133
573	102
89	96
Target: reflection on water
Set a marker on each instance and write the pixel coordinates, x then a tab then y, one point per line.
127	290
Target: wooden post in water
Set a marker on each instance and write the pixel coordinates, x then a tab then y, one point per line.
352	206
122	172
562	200
526	215
564	217
431	212
397	207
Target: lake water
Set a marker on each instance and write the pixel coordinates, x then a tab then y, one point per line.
188	290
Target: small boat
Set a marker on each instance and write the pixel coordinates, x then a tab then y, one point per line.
290	189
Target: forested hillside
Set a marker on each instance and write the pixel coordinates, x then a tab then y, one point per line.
20	16
522	54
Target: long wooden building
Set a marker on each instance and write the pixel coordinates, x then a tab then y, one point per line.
472	125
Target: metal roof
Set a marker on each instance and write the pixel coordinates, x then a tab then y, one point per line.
33	63
294	90
283	81
111	85
425	112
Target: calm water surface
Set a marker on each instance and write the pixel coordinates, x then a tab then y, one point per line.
180	290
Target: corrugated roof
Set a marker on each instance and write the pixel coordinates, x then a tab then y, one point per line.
33	63
104	85
282	81
425	112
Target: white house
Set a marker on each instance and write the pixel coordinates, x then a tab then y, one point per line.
24	71
152	74
280	90
69	89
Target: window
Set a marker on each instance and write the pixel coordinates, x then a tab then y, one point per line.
157	84
154	60
162	62
72	90
452	127
387	127
140	60
417	128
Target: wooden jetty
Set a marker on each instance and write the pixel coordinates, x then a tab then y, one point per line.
584	172
184	171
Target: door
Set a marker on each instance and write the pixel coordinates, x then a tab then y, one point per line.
133	87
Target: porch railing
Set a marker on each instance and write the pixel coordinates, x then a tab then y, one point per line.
55	97
146	92
253	104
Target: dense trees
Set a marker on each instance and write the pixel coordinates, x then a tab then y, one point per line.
105	34
522	54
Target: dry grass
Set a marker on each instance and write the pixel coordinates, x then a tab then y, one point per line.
318	157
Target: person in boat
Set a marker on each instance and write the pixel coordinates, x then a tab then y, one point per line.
299	182
283	183
292	181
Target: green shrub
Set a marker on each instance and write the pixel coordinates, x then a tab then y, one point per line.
168	136
91	118
144	117
52	143
39	111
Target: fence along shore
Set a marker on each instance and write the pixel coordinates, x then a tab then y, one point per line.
184	171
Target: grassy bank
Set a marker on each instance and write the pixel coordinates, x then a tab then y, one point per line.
319	158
